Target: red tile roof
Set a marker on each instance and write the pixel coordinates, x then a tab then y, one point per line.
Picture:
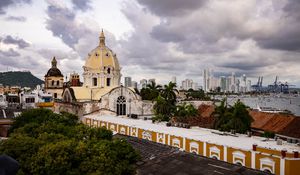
274	122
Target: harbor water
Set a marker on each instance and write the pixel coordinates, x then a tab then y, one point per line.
280	102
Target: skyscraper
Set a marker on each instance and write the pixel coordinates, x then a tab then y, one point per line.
143	83
174	80
206	80
187	84
223	83
134	84
151	80
127	82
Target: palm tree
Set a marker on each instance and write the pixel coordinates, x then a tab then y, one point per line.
240	118
162	109
221	115
151	91
236	117
169	92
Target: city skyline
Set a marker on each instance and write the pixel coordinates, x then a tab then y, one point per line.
150	40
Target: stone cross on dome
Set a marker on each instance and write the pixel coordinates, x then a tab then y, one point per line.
54	62
102	39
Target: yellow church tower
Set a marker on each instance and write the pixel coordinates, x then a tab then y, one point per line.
54	80
101	68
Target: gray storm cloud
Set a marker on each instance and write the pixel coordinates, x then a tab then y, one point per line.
15	41
6	3
181	38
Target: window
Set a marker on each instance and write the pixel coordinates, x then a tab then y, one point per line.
95	81
108	82
52	83
238	163
267	171
121	106
55	95
108	70
29	100
57	82
107	54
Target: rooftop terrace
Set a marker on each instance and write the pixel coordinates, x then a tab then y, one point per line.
238	141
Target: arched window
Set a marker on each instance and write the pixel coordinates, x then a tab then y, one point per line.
95	81
52	83
267	171
121	106
57	82
108	70
239	164
108	82
214	157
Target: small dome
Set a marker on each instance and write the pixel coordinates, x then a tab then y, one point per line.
101	57
54	71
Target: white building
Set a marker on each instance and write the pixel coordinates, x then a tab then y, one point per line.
134	84
151	80
206	80
101	91
187	84
174	80
127	82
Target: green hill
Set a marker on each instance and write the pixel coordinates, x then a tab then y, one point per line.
18	78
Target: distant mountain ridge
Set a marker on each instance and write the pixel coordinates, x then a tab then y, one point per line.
19	78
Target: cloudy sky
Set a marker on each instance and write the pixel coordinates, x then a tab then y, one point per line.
156	38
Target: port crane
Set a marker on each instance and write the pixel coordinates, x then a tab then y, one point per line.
279	87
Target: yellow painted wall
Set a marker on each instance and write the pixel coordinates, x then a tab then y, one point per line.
88	122
175	137
292	167
153	134
268	151
208	145
161	140
110	125
140	133
200	147
103	123
275	159
94	123
247	154
134	132
166	139
126	129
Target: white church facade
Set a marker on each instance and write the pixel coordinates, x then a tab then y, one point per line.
102	91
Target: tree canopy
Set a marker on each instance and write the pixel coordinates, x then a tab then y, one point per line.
151	91
196	94
47	143
184	111
236	117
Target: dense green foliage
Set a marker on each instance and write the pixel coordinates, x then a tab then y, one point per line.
169	92
23	79
163	109
236	117
165	103
268	134
151	92
47	143
184	111
196	95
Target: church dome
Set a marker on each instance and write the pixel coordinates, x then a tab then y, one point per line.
101	57
54	71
